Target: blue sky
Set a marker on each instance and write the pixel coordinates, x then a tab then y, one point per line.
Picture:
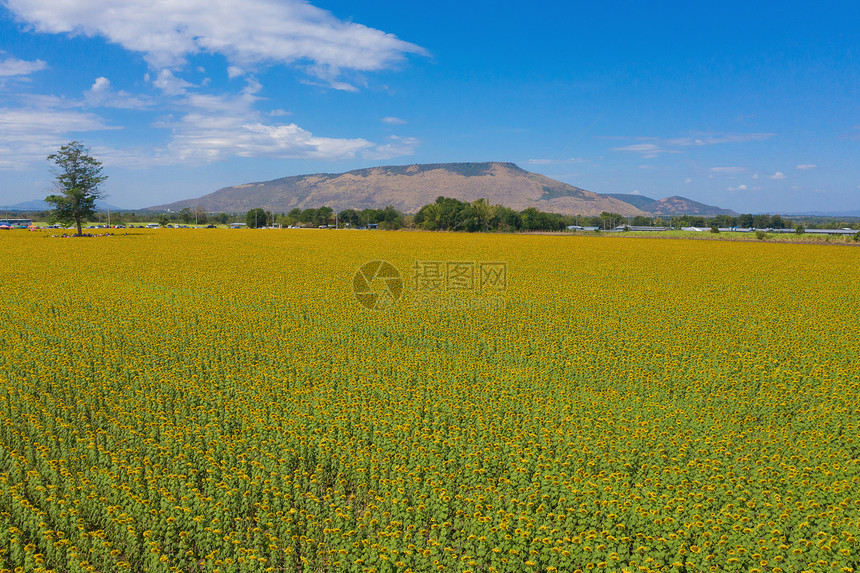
754	106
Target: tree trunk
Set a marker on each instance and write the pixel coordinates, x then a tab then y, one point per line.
80	232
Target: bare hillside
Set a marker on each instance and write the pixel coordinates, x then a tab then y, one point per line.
408	188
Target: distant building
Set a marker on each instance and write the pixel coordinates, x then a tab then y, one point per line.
17	223
645	228
831	231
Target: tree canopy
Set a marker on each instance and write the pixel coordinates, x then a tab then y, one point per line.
257	218
78	184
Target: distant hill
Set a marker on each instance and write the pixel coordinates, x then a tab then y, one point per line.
671	206
638	201
683	206
408	188
40	205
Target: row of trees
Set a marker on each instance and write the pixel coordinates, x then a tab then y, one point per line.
448	214
452	214
387	218
445	214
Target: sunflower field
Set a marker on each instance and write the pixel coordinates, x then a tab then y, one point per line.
218	401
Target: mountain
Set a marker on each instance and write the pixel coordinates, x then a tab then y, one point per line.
408	188
671	206
682	206
40	205
638	201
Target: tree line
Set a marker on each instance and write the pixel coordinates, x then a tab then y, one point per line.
449	214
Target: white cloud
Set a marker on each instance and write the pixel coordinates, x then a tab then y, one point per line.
234	72
715	139
331	83
779	175
30	134
556	161
343	86
202	138
755	176
728	169
654	146
279	113
217	127
688	180
806	167
101	95
394	120
647	150
398	147
170	84
253	32
10	67
738	188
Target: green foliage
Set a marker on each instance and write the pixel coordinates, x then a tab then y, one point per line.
799	230
776	222
163	220
610	220
448	214
761	235
256	218
200	216
534	220
78	182
715	229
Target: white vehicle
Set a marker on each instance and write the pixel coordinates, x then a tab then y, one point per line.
152	226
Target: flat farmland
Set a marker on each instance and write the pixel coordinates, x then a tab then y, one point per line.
220	400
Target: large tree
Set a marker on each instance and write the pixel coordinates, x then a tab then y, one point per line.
79	178
257	218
